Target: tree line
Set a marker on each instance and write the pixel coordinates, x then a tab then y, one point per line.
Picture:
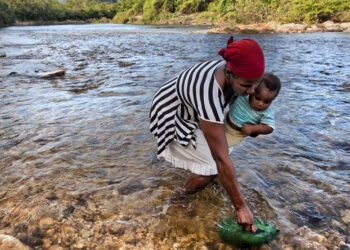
54	10
236	11
153	11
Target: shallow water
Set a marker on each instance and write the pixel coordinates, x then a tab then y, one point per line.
78	165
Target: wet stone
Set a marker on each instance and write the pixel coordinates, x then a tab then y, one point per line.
55	247
69	210
46	223
51	74
131	187
21	228
81	201
30	240
346	216
37	233
117	230
51	196
8	242
344	247
125	64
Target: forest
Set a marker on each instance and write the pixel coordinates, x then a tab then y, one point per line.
53	10
158	11
236	11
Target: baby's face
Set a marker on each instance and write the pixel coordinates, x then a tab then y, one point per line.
262	98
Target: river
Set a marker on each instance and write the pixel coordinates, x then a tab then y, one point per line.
78	164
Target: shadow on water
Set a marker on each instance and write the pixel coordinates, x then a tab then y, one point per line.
78	165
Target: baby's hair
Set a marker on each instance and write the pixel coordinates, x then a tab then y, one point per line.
272	82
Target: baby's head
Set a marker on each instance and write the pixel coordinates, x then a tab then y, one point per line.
265	93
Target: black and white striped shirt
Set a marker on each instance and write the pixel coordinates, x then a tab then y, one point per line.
181	102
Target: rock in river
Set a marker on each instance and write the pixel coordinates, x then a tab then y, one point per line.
59	72
8	242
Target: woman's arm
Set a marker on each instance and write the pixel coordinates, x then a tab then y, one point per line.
215	136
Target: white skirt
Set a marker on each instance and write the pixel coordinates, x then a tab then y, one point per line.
197	160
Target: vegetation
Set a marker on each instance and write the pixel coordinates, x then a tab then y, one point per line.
237	11
153	11
54	10
6	15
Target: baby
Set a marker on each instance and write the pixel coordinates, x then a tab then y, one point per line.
251	115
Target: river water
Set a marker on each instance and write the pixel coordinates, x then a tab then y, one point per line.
78	165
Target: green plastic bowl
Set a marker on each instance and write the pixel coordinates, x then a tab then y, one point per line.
231	232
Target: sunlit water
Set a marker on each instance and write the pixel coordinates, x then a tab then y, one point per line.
78	165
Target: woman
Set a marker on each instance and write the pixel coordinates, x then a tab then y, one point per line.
187	118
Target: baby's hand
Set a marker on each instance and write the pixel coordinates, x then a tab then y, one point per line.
247	129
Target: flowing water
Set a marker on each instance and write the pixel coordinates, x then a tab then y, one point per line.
78	165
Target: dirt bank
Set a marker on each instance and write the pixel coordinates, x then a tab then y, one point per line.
273	27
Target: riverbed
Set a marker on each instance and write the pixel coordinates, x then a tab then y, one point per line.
78	164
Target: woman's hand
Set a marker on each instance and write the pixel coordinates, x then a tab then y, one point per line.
246	219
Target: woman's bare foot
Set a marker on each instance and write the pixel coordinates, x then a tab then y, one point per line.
195	183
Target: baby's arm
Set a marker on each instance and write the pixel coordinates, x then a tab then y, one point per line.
256	129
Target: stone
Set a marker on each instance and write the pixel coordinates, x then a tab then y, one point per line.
314	28
55	247
30	240
331	26
125	64
131	187
345	25
117	230
59	72
2	54
345	216
8	242
46	223
291	28
344	247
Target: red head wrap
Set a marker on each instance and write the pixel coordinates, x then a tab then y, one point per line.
244	58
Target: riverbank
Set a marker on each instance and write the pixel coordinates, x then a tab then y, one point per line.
269	27
37	23
273	27
218	28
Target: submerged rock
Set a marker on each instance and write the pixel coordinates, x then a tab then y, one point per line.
131	187
8	242
346	216
59	72
2	54
125	64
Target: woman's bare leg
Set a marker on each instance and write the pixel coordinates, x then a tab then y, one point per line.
195	182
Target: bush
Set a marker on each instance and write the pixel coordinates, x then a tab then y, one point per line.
151	10
192	6
53	10
6	15
311	11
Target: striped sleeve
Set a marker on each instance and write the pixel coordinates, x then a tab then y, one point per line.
198	88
